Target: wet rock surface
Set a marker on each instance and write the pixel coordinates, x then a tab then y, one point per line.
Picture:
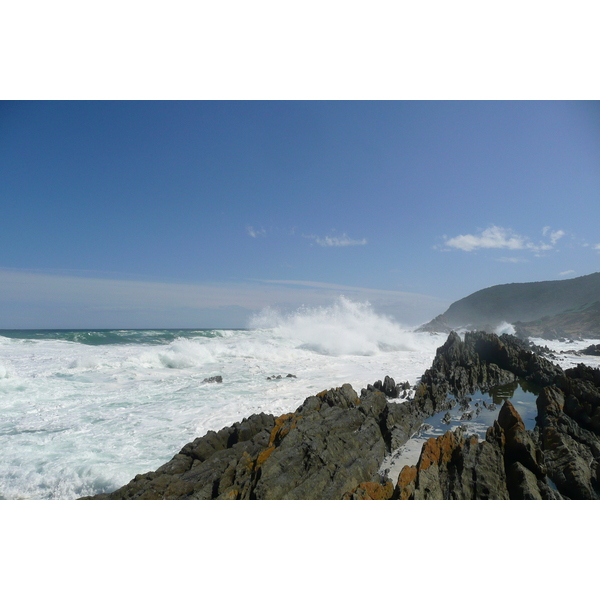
332	446
558	459
592	350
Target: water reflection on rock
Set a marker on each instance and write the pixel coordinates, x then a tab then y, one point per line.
473	414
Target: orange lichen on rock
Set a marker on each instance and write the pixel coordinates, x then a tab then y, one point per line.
406	482
283	425
371	490
437	450
263	456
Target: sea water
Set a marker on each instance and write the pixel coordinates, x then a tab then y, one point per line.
83	412
473	414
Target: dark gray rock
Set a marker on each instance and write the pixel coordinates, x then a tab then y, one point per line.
593	350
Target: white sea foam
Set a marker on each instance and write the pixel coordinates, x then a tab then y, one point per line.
566	350
505	328
80	419
344	328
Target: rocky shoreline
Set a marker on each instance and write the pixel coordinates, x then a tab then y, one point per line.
333	445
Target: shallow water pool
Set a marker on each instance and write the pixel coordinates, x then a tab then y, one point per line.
475	413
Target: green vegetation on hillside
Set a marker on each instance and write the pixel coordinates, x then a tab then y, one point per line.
525	303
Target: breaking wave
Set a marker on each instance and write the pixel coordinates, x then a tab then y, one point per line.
504	327
343	328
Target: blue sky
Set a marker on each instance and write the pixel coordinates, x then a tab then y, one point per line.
198	214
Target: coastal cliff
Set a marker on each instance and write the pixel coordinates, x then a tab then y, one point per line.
333	445
548	309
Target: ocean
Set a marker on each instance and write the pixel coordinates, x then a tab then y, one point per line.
83	412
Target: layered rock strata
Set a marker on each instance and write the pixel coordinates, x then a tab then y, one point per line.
558	459
332	446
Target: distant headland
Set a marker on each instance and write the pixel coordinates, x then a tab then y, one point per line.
568	308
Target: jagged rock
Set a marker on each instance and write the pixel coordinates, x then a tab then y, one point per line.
289	375
593	350
562	450
388	387
215	379
371	490
518	444
522	482
570	449
453	466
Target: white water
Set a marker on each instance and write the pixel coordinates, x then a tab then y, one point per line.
80	419
565	352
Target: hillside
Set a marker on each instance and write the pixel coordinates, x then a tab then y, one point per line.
568	302
579	322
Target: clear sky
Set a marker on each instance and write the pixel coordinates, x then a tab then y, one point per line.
197	214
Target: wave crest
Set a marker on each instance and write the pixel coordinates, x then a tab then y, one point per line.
344	328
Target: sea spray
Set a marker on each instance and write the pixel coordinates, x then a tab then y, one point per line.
344	328
504	327
82	418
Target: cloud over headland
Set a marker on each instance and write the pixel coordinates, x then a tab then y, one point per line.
495	237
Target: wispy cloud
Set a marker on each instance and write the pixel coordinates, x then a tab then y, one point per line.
511	259
495	237
46	300
597	247
492	237
255	232
569	272
344	288
554	235
337	241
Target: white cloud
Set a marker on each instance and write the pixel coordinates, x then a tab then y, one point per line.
569	272
345	288
492	237
554	235
342	240
511	259
255	233
597	247
503	239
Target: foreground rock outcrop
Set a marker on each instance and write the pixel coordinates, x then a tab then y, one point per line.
507	465
332	446
558	459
